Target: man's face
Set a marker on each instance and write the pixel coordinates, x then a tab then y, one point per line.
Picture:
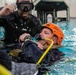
24	7
46	33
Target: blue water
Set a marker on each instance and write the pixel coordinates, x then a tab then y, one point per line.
2	31
68	65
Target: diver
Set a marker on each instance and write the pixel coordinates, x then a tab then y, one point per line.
17	22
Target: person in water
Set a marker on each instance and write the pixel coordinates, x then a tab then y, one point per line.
32	51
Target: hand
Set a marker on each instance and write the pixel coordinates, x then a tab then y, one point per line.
43	44
8	10
21	38
39	45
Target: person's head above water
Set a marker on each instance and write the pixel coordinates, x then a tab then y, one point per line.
52	31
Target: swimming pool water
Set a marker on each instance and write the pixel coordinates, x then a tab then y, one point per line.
68	65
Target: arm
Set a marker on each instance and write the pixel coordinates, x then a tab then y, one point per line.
30	52
23	38
7	10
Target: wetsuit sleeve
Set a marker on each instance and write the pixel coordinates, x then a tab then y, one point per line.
30	52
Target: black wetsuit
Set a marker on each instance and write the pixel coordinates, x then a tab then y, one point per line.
31	53
15	25
5	60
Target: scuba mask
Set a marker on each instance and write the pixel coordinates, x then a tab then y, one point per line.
25	6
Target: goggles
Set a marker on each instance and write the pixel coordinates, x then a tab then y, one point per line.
25	6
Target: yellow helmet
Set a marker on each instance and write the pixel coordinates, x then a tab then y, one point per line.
56	31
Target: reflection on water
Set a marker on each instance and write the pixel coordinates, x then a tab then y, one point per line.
68	66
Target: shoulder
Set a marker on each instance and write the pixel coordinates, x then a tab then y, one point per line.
35	19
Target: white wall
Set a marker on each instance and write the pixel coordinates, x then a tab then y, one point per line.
4	2
72	5
61	14
10	1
